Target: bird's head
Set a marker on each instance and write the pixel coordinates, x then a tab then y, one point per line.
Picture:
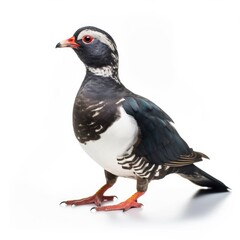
96	49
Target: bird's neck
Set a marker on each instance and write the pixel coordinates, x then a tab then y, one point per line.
101	87
110	71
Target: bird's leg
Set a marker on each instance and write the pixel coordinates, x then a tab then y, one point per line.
131	202
98	197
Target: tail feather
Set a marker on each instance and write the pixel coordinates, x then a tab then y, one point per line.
201	178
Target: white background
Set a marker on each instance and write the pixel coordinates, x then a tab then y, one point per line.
183	55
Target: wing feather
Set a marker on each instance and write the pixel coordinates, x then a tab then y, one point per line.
159	141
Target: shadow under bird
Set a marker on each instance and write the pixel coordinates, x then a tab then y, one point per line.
126	134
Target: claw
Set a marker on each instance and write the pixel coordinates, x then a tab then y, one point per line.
93	208
63	203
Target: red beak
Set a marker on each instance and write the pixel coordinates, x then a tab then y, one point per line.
68	43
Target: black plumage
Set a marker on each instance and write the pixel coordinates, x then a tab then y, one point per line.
89	98
146	147
160	142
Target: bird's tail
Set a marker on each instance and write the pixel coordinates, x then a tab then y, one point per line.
201	178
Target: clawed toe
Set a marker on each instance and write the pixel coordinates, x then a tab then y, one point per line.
95	199
98	198
124	206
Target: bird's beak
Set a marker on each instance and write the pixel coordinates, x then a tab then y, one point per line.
68	43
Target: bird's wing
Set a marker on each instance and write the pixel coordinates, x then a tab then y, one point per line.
159	141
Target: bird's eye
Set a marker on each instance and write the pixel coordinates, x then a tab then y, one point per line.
87	39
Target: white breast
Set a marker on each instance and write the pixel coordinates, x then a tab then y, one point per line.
114	142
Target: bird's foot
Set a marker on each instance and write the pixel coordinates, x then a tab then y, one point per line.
96	199
124	206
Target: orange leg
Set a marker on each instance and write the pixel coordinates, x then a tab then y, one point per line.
126	205
98	197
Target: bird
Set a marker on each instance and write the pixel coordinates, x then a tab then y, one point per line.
126	134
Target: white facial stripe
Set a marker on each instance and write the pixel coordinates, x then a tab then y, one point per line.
100	36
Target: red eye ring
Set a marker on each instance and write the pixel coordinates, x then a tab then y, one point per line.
87	39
